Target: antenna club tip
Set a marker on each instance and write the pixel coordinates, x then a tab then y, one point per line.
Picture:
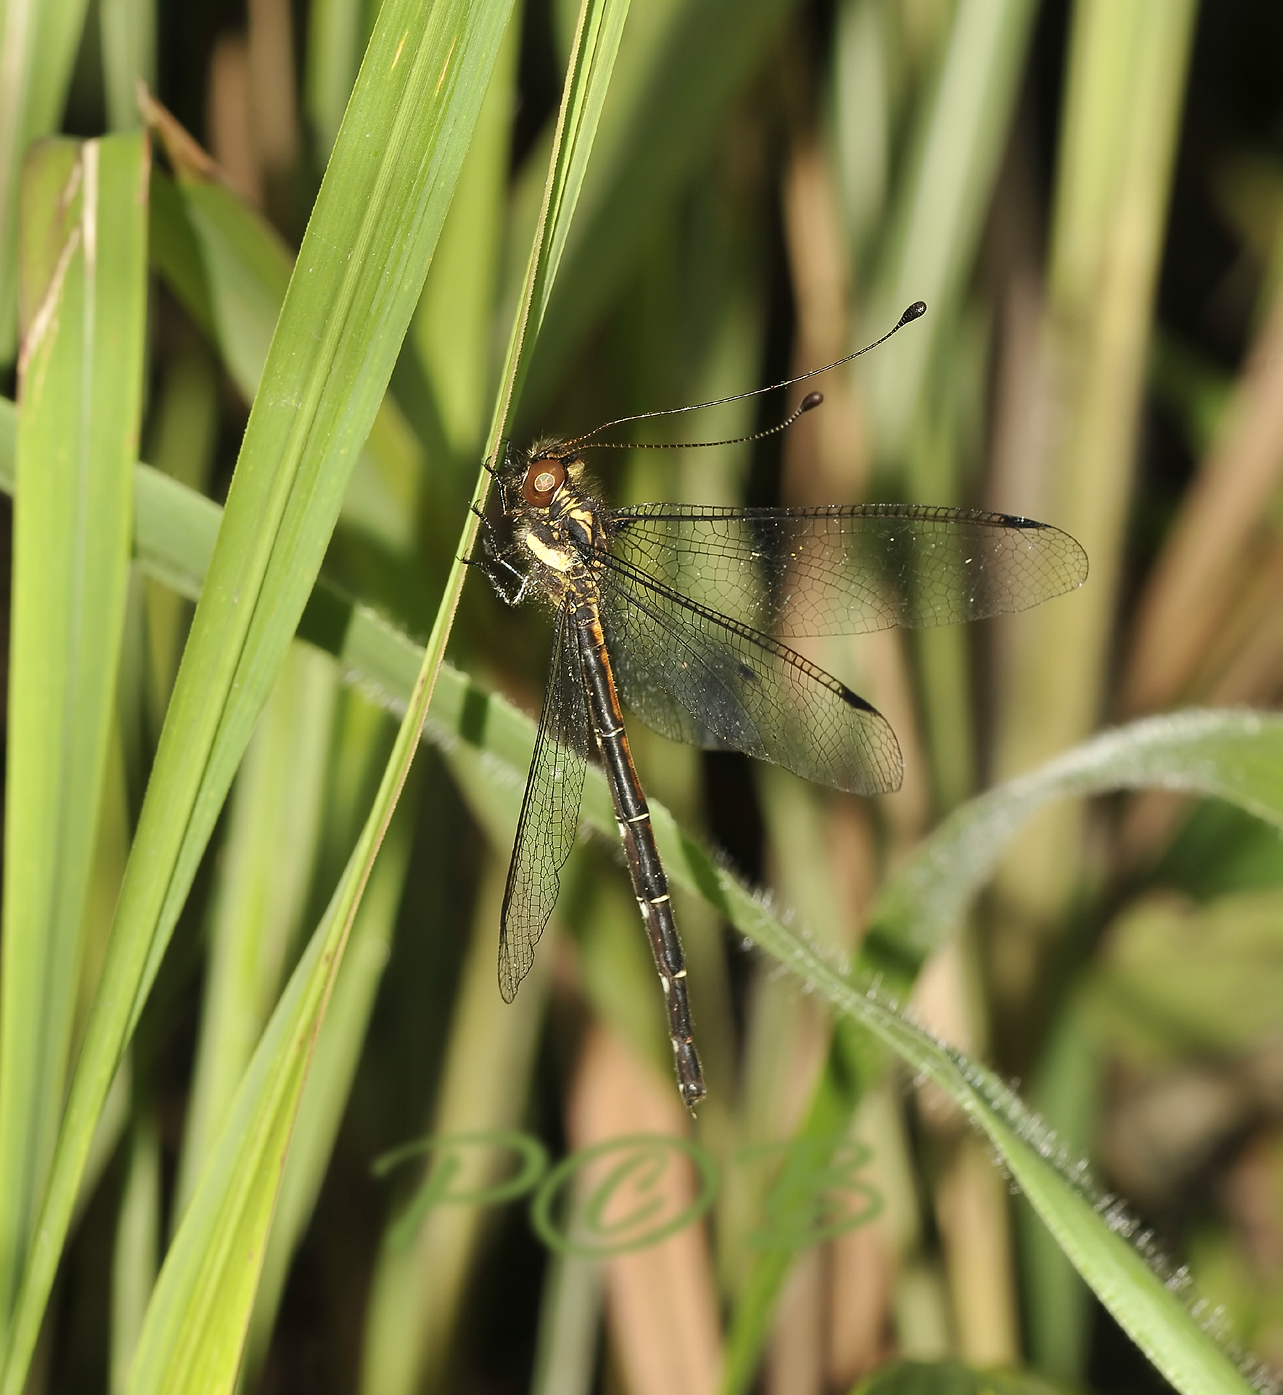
914	312
810	401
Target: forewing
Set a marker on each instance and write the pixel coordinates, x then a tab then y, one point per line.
549	813
849	569
698	677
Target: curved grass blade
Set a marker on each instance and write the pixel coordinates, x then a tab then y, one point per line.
83	295
195	1328
354	287
1234	755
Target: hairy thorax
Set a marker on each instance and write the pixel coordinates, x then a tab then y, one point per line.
562	534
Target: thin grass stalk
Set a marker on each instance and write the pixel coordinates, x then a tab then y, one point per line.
182	438
569	1327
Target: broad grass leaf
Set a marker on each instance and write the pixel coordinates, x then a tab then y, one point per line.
354	286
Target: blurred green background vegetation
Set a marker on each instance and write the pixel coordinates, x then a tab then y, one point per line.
1089	196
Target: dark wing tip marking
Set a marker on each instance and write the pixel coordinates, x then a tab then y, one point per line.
853	699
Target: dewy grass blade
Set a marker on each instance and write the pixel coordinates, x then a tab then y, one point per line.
354	287
83	293
195	1328
1234	755
1230	754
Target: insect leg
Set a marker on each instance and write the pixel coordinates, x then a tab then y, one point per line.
510	582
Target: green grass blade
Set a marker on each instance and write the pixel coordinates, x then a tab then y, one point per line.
1235	755
936	223
419	1285
128	34
265	872
133	1269
182	438
231	269
333	1069
357	278
333	57
196	1324
38	40
1123	105
83	292
1232	754
1092	1229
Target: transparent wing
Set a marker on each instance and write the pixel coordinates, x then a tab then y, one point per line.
848	569
700	677
549	813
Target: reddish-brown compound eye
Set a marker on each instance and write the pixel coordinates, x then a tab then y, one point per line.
543	479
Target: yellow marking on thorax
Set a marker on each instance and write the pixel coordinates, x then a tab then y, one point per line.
559	559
